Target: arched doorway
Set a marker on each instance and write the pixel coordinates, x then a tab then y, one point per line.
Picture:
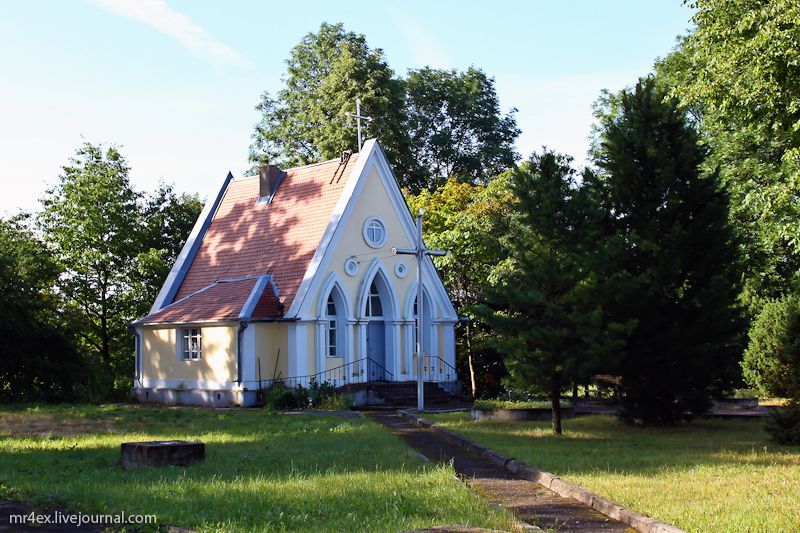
378	316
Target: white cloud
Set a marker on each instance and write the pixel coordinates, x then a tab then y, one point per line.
423	46
158	15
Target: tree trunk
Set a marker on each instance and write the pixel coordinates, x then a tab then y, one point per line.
574	390
555	402
473	385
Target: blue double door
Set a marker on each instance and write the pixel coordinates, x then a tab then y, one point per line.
376	350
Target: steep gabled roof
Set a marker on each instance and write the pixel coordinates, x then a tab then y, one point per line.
245	238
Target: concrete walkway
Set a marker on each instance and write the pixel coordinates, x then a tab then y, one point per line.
529	501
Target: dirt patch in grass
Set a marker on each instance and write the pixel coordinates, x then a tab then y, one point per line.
49	425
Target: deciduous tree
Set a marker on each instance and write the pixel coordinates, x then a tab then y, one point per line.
92	223
38	359
456	126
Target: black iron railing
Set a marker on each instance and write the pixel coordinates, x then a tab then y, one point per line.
434	368
359	371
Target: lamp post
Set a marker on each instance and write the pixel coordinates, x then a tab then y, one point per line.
420	251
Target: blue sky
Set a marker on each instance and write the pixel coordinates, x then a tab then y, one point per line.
175	82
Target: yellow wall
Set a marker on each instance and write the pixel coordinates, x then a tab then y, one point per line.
333	362
160	356
373	200
272	342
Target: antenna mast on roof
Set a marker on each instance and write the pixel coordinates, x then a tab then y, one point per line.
358	118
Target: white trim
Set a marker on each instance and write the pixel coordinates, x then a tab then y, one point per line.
255	295
375	268
449	354
364	227
330	282
361	334
351	267
173	325
412	296
179	335
320	331
371	155
401	270
349	354
397	362
189	251
325	243
298	349
248	354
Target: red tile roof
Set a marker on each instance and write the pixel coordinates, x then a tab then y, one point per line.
221	301
248	239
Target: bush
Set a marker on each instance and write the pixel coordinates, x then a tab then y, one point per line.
772	360
280	398
783	424
319	395
518	404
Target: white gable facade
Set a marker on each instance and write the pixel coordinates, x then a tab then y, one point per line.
352	320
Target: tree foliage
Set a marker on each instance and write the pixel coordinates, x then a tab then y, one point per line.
772	360
456	126
38	360
675	258
434	124
113	247
541	306
305	122
462	218
738	72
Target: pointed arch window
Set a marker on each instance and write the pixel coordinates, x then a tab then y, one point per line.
374	308
331	350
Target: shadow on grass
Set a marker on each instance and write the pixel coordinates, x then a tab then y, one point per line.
599	443
262	472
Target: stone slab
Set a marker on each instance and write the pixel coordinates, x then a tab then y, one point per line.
161	453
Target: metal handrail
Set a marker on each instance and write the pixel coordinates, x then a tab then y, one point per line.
441	372
358	371
435	369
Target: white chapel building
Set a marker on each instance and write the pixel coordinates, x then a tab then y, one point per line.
289	276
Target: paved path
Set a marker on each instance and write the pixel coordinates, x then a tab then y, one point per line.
529	501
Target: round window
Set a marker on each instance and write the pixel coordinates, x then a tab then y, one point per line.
351	267
374	232
400	270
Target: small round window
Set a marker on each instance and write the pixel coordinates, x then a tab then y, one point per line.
374	232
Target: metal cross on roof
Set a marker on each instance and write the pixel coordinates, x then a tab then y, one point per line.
358	118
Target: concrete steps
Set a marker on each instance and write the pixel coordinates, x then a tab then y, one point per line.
397	394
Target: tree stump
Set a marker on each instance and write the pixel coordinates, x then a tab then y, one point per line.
162	453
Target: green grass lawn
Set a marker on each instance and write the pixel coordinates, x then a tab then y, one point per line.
710	475
263	471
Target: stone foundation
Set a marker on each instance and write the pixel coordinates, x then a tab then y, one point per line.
199	397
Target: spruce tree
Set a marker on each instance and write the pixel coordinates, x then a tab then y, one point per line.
675	259
543	310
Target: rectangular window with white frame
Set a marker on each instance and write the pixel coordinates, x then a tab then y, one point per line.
332	338
191	344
